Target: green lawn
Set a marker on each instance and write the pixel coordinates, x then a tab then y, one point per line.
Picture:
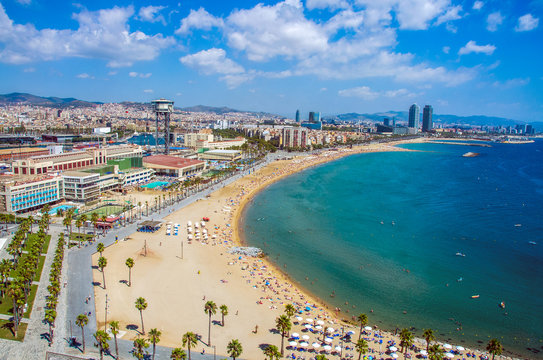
6	304
37	276
34	237
7	333
106	210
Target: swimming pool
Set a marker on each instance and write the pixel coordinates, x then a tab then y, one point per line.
155	184
60	207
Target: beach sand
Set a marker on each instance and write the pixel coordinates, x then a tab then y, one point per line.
176	289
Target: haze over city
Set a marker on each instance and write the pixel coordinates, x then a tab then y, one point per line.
334	56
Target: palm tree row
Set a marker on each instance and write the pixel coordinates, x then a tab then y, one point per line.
54	287
18	289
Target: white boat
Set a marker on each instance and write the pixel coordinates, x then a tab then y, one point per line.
460	254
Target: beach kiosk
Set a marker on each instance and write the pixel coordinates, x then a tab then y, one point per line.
149	226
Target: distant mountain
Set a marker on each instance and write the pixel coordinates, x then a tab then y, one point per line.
402	116
29	99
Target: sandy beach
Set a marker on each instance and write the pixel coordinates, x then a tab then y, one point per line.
177	277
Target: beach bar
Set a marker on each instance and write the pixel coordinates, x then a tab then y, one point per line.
149	226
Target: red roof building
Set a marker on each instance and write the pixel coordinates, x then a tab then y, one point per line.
167	165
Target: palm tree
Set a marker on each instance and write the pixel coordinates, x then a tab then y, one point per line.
81	321
79	223
68	223
361	347
130	264
272	352
321	357
494	347
102	263
190	340
210	308
406	339
178	354
114	327
139	208
435	352
154	338
139	348
147	208
363	320
102	338
100	248
428	335
104	220
290	310
283	325
30	221
234	348
83	218
224	312
50	316
141	305
94	220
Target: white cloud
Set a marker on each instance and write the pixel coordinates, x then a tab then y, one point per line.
512	83
472	47
111	73
494	20
84	76
364	92
346	19
265	32
453	13
527	23
152	14
446	49
140	75
199	19
323	4
478	5
29	70
24	2
102	34
214	61
148	91
411	14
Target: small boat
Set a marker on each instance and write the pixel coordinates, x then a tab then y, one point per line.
532	243
474	296
460	279
518	225
460	254
502	305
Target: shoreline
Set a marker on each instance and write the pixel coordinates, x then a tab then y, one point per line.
239	237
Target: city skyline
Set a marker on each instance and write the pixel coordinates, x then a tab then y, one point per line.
338	56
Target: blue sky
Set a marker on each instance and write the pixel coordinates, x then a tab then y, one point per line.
464	57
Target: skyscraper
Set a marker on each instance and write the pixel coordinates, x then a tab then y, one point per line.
297	116
414	116
427	124
311	116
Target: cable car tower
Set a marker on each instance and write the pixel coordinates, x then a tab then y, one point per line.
163	109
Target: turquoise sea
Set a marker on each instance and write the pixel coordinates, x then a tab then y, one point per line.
382	231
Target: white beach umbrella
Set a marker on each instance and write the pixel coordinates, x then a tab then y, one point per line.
320	322
330	330
395	356
299	318
305	337
309	320
338	348
367	328
316	345
447	346
318	327
308	326
393	348
328	340
293	343
351	332
327	347
304	344
460	348
423	352
295	335
449	355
